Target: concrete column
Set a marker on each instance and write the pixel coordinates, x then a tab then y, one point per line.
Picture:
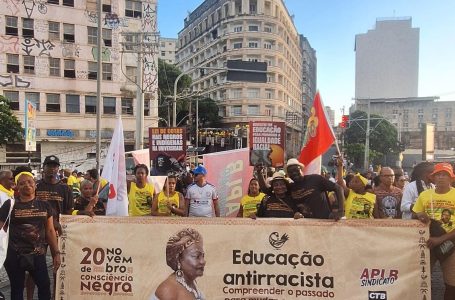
245	6
260	8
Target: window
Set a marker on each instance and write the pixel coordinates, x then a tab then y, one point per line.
68	33
92	70
269	110
54	30
253	93
13	98
29	64
68	3
11	25
53	2
12	63
34	98
238	29
92	35
107	8
90	104
420	111
236	93
107	37
109	105
131	73
237	45
146	108
70	71
27	28
267	29
267	45
252	8
163	53
253	110
269	94
127	106
133	9
107	71
53	103
54	66
72	104
253	44
236	110
130	40
253	28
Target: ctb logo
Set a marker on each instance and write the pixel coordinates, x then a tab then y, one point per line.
381	295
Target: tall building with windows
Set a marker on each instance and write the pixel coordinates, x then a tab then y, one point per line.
48	56
248	30
168	49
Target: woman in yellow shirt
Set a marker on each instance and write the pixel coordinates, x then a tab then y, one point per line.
249	202
169	203
140	193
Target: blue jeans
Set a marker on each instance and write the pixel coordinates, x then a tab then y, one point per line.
16	276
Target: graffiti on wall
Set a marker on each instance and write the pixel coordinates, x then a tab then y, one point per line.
113	21
30	5
9	44
70	50
82	74
14	81
149	17
105	54
33	46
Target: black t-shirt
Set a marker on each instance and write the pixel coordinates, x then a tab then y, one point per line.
81	203
58	195
307	193
27	228
272	207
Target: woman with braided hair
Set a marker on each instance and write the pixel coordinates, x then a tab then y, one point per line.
184	255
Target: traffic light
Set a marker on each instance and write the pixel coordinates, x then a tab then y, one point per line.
344	121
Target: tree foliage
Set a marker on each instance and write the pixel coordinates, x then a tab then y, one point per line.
383	138
10	128
167	74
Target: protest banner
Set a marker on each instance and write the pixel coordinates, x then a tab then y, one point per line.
30	125
167	150
278	259
267	143
230	173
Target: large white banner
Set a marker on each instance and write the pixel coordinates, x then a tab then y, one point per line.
127	258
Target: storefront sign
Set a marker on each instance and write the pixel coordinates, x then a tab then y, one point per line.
60	133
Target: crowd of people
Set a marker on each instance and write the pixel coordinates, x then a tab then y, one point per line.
31	209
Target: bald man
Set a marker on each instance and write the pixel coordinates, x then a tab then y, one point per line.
6	186
388	196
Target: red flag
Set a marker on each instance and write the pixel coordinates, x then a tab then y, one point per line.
319	135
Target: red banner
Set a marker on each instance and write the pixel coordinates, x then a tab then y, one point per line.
230	173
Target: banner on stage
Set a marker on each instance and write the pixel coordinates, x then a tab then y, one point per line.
229	258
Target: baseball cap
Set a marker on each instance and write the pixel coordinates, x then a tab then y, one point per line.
51	159
200	170
443	167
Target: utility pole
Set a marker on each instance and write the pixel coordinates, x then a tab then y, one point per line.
140	43
367	138
99	77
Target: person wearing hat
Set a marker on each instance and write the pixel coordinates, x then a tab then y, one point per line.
359	204
201	198
278	203
309	193
429	208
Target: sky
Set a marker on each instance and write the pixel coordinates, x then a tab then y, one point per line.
331	26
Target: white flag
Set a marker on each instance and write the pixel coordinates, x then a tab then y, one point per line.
114	171
314	167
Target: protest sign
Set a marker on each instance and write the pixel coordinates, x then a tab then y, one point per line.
167	150
267	143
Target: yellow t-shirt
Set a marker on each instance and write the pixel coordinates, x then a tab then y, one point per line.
441	202
72	180
140	200
162	199
250	203
358	206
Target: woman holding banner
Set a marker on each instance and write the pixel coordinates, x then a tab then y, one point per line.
185	255
249	202
169	202
31	228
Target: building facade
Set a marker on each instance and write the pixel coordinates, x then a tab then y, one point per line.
330	115
409	114
309	73
168	49
248	30
49	57
387	60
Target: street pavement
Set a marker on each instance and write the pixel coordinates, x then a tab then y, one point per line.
437	283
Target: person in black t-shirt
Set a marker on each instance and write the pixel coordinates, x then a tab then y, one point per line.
88	204
278	203
309	193
31	229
